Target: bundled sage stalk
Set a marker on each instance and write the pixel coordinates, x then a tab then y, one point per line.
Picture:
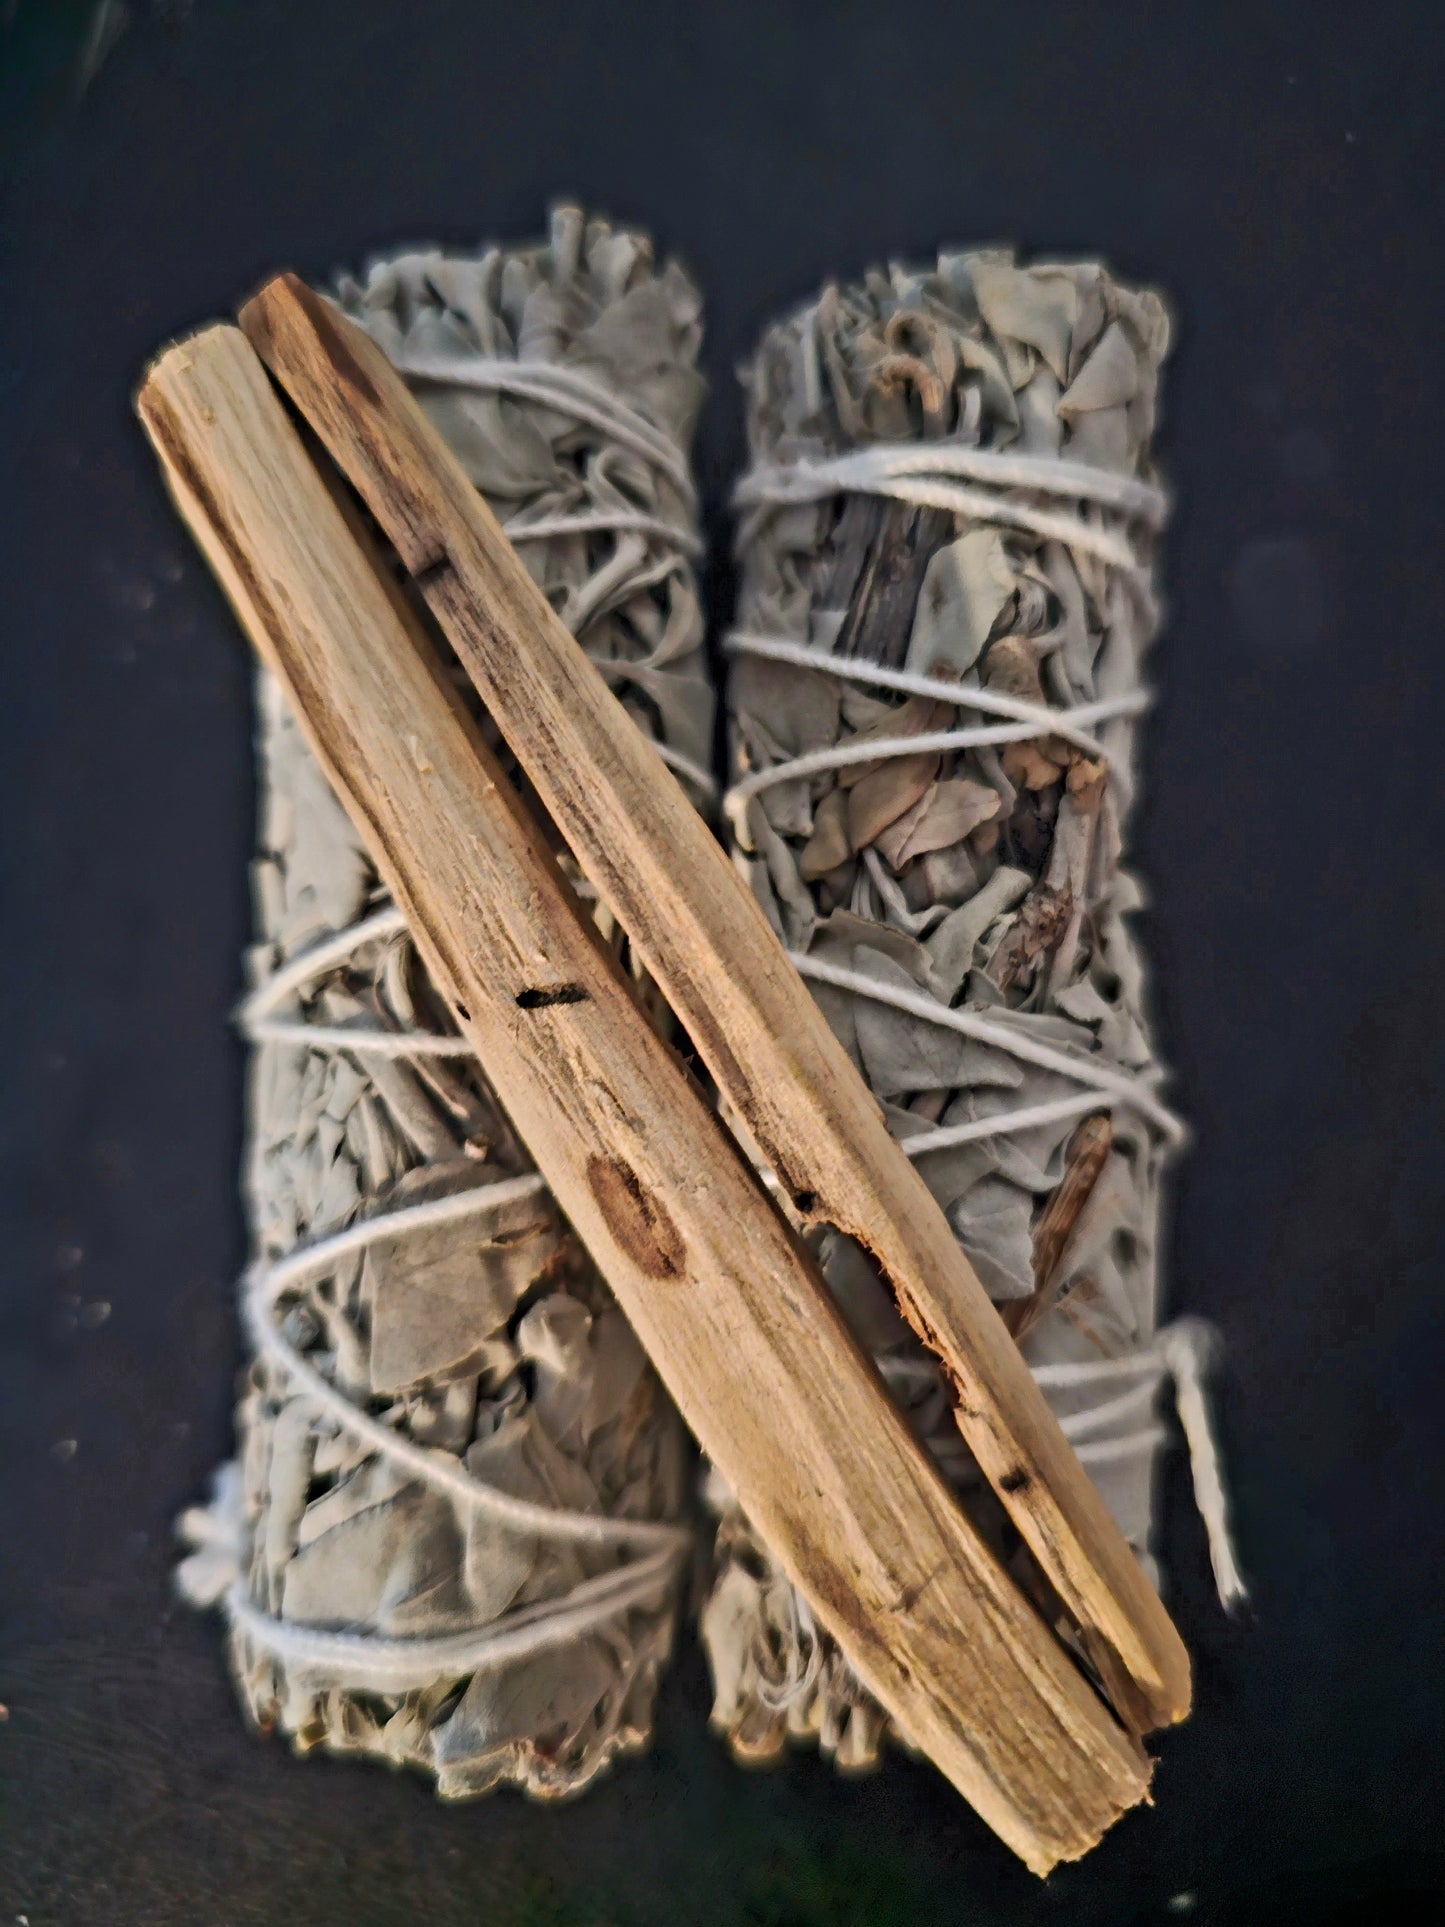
452	1537
947	545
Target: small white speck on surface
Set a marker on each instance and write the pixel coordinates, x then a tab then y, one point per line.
64	1450
95	1314
1184	1903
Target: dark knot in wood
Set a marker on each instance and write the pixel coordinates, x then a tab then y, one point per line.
639	1222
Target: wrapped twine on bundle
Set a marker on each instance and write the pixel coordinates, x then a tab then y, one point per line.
453	1534
947	544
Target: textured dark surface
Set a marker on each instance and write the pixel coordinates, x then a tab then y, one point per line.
1278	172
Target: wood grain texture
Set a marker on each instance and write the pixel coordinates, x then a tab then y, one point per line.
704	938
1084	1161
721	1293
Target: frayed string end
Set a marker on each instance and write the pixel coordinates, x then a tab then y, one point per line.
1189	1348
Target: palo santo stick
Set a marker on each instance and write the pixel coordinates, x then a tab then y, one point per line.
704	938
726	1300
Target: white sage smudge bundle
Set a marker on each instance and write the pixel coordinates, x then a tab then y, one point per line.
453	1535
947	543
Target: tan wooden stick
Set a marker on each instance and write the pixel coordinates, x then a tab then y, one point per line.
721	1292
704	938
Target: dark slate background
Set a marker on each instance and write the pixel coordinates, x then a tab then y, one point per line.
1277	170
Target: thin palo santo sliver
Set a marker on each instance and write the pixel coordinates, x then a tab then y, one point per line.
1084	1162
704	938
722	1294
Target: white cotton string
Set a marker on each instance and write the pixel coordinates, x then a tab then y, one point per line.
1094	1371
1109	1451
921	473
1044	721
569	391
1025	1118
1098	1418
1053	525
1041	719
317	1257
359	1042
931	742
1186	1347
378	1662
866	470
294	975
1101	1078
258	1024
594	521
